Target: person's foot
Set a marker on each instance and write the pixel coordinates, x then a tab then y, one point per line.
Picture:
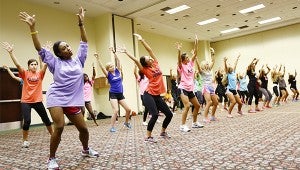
184	128
251	111
240	112
145	123
150	140
52	164
25	144
89	153
112	129
128	125
165	135
197	125
229	116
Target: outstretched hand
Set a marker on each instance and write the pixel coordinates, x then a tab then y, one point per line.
5	67
178	45
8	47
122	49
138	36
80	15
30	20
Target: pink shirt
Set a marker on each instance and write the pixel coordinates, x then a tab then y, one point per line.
88	91
187	76
143	84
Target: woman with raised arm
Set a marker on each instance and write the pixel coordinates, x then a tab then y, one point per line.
292	81
208	89
221	89
263	77
65	94
242	87
186	86
32	95
282	86
275	78
87	92
143	82
231	88
253	86
152	96
114	76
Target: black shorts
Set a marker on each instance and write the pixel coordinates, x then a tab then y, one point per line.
118	96
234	92
190	94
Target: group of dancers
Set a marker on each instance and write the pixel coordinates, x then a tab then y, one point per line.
71	89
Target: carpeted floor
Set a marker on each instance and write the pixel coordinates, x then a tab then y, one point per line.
263	140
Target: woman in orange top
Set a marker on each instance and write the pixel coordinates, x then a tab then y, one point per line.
152	96
31	92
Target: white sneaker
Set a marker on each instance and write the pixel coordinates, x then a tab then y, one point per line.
145	123
184	128
89	153
197	125
158	121
52	164
25	144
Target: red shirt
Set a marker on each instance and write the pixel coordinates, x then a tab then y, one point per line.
156	85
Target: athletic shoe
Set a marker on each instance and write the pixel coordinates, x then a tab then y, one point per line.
112	129
165	135
184	128
89	153
240	112
197	125
229	116
150	140
145	123
251	111
213	118
127	125
52	164
206	120
25	144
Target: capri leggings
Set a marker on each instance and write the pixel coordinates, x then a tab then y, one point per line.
266	93
39	108
253	91
154	103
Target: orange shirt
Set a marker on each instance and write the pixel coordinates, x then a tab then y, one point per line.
156	85
32	86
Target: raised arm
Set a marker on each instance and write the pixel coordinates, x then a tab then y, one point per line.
30	20
134	59
225	65
117	60
101	65
212	52
268	69
135	72
195	50
94	72
12	74
295	73
80	16
236	61
146	45
178	47
9	48
198	66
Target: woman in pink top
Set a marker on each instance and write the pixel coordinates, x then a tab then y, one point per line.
87	93
143	82
153	101
186	86
32	96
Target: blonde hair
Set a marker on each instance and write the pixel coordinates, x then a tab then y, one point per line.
107	65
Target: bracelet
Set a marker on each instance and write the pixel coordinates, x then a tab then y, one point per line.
35	32
80	24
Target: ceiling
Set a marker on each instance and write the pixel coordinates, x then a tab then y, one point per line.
149	17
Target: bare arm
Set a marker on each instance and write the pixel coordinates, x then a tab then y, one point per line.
12	74
101	65
80	16
195	50
134	59
146	45
212	51
30	20
268	69
198	66
9	48
135	72
94	72
236	61
118	65
225	65
179	61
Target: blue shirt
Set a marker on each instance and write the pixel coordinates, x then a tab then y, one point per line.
115	81
231	81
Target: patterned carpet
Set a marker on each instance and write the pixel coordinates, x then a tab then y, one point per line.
263	140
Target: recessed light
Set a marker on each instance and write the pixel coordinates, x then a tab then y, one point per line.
253	8
218	6
208	21
230	30
162	14
269	20
178	9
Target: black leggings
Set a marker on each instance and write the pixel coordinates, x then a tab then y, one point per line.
155	103
253	91
39	108
146	109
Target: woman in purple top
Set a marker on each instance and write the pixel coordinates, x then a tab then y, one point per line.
116	97
65	95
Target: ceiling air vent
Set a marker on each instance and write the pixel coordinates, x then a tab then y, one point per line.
165	8
243	27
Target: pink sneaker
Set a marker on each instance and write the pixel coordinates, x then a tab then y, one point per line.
251	111
229	116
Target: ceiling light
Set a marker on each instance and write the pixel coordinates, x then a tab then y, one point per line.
229	30
269	20
208	21
177	9
244	11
